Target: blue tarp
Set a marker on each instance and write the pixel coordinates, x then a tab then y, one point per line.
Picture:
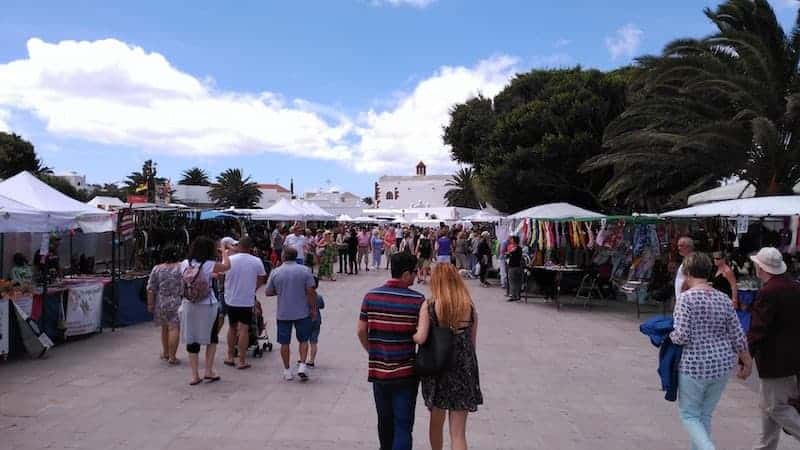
211	215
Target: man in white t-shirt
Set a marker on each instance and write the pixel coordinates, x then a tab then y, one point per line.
245	276
297	240
685	248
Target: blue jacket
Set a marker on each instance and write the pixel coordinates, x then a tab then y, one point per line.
669	354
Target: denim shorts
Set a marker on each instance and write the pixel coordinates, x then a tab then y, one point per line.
302	330
315	326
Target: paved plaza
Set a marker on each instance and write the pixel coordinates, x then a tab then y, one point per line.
574	379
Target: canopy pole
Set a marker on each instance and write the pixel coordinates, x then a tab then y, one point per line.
2	253
114	304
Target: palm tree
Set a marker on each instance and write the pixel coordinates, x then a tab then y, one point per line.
464	190
232	189
16	155
727	104
195	177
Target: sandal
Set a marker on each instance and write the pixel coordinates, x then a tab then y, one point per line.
229	363
174	362
212	379
245	366
164	357
195	382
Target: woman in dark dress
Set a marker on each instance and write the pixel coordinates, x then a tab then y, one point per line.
484	257
724	280
455	391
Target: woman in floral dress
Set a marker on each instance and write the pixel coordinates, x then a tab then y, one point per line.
164	290
328	256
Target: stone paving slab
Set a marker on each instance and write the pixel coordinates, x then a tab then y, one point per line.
569	379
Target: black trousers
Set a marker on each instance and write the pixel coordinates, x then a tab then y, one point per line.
342	261
351	261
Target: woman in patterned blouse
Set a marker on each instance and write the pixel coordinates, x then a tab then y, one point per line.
712	338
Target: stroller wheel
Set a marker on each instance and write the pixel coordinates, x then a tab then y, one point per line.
268	347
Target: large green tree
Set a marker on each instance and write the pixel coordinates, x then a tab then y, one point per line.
727	104
463	190
195	177
233	189
16	155
527	143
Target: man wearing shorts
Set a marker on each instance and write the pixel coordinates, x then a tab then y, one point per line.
245	276
297	307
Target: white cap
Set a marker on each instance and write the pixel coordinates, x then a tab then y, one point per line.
770	260
228	242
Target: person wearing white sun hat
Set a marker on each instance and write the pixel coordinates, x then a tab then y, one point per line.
773	339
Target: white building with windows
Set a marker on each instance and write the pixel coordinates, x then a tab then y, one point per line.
77	180
417	191
336	202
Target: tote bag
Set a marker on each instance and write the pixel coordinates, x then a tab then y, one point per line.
436	354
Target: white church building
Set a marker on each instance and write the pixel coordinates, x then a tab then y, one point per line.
417	191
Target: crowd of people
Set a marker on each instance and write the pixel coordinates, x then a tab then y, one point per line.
220	278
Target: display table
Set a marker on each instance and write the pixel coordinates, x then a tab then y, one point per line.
71	307
132	301
555	274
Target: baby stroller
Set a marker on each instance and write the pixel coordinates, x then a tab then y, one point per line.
257	333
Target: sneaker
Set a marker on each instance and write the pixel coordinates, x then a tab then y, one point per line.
301	372
287	374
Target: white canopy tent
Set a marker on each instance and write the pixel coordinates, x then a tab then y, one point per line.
33	193
106	202
556	211
483	217
365	219
16	217
746	207
285	209
344	218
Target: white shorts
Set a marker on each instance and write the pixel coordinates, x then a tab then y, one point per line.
443	259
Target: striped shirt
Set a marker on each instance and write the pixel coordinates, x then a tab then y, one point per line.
391	312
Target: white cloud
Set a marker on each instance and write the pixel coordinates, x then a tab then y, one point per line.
413	3
625	42
110	92
392	141
4	126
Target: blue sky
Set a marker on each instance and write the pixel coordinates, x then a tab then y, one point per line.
334	91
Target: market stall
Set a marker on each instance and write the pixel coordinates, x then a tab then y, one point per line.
741	227
31	206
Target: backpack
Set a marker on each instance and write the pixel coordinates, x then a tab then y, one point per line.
195	287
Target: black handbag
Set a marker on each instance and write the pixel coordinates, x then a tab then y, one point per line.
436	354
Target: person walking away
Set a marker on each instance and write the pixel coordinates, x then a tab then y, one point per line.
502	248
199	306
311	250
484	257
297	308
164	295
297	241
724	279
277	241
462	251
456	391
424	252
352	251
390	244
364	243
708	328
444	248
386	327
685	248
328	255
773	337
316	325
377	249
514	268
245	276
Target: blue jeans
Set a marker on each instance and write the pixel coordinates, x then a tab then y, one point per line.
696	402
395	404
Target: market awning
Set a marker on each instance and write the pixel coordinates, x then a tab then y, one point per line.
483	217
781	206
556	211
16	217
30	191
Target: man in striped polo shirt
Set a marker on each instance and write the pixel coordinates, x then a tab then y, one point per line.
386	327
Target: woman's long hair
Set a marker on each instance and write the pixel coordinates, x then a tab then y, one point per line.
450	293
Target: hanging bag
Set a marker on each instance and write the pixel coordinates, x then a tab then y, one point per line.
437	353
